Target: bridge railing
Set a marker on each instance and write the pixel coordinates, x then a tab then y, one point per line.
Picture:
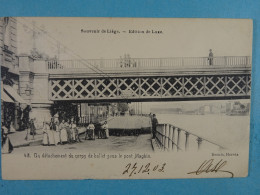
172	138
144	63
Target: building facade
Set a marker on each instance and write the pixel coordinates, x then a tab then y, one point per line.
10	90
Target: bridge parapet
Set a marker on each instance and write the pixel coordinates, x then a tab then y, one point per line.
172	138
100	66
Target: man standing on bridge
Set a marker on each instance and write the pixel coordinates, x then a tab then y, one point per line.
154	124
210	59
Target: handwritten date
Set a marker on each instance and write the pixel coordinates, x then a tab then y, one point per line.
133	169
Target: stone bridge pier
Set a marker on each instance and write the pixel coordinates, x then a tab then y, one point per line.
34	88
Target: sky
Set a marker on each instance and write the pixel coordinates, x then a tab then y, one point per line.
179	37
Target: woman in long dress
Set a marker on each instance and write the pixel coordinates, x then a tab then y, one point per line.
57	133
50	133
63	132
73	127
105	129
54	133
45	140
67	127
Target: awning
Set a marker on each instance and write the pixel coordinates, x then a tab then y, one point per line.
5	97
11	92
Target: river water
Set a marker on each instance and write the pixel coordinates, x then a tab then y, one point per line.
231	132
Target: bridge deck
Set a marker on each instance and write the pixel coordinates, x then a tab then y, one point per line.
145	66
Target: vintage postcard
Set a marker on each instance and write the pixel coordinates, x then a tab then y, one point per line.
125	98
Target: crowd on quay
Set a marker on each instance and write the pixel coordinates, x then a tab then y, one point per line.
57	133
67	132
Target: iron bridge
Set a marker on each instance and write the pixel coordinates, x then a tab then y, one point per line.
150	79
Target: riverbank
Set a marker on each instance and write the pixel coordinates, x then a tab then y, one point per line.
231	132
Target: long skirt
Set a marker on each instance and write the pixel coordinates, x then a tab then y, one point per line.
107	133
7	147
73	134
51	137
68	134
63	135
57	137
45	140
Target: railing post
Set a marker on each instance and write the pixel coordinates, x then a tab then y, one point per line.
187	141
173	137
203	62
178	139
170	137
199	140
164	136
161	137
167	136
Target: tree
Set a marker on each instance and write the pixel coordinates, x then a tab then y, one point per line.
122	107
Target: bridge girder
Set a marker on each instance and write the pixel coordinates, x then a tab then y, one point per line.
151	88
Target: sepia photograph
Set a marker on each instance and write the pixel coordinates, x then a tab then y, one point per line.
125	98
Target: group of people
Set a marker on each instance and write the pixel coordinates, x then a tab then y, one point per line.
102	131
55	133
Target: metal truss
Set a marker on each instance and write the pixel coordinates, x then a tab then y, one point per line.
134	88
